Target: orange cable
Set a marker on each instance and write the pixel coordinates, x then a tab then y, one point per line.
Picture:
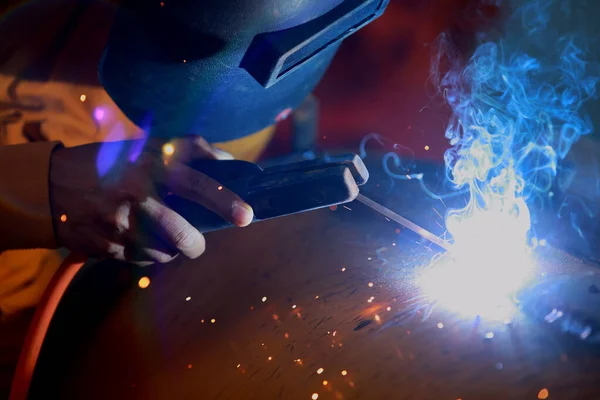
40	324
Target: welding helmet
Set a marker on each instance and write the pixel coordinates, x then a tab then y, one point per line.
222	69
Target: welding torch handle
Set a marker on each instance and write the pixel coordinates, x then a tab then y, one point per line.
271	192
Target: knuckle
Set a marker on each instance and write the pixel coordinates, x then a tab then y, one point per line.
198	181
183	238
202	142
122	218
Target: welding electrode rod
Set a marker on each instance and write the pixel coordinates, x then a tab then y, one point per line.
403	221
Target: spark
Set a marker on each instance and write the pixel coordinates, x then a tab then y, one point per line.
212	321
315	396
543	394
370	284
239	365
219	188
316	297
377	318
347	208
63	218
325	383
188	298
371	299
168	149
344	373
144	282
389	309
189	366
489	335
264	299
294	306
82	98
344	269
270	358
440	325
320	371
426	147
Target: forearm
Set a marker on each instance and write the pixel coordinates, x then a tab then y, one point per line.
25	216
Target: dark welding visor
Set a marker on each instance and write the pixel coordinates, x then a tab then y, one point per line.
223	69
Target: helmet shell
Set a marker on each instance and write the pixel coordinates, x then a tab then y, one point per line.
222	69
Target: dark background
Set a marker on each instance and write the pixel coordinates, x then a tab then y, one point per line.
379	81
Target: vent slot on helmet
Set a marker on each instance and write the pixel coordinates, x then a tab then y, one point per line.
274	55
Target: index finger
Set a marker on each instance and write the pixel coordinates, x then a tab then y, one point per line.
200	188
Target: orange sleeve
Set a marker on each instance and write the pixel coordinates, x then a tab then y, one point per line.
25	217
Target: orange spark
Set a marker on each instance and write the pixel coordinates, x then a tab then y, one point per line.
144	282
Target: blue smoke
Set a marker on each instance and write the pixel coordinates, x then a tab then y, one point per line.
516	110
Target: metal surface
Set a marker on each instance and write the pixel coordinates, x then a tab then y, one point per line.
291	296
424	233
278	309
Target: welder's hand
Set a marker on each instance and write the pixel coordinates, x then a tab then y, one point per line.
105	199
